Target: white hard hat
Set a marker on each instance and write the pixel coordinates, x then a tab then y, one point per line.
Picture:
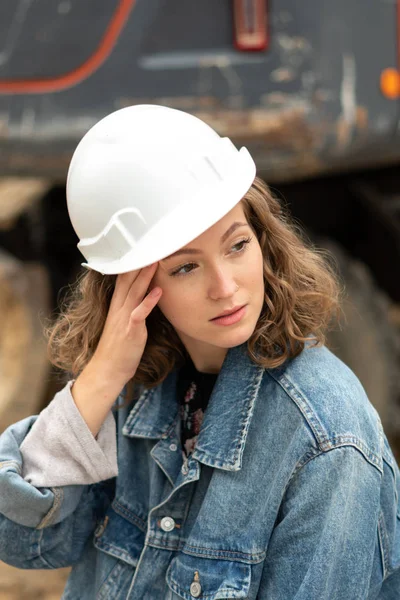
145	181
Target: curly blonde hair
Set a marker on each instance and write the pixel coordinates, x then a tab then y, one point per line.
302	295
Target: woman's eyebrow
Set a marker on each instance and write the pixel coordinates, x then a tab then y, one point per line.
227	233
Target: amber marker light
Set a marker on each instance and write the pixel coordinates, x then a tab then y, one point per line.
390	83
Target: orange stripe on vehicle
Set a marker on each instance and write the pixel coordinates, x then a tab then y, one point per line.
55	84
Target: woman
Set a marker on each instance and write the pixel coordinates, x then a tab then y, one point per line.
195	453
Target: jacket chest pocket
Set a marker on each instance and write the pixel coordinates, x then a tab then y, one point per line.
119	541
190	577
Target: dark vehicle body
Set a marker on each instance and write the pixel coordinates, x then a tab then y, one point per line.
310	103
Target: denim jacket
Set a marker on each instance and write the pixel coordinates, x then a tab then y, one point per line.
291	493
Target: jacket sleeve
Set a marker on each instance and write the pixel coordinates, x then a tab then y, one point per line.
323	543
47	526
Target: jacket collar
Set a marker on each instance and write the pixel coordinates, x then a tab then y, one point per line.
226	423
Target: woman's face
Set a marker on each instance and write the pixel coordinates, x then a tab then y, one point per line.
220	270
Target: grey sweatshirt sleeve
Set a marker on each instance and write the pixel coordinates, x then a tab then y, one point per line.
61	450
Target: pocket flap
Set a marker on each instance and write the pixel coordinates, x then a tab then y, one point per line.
120	537
217	578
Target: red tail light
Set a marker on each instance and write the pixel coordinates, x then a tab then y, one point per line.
250	24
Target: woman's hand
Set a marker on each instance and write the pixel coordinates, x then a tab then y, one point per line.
120	347
124	336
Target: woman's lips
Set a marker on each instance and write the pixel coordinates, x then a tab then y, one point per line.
232	318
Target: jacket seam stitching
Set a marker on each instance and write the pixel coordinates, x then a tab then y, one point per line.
383	543
141	401
308	457
45	563
128	515
322	439
11	463
394	475
58	499
311	455
252	394
355	442
296	395
221	554
115	551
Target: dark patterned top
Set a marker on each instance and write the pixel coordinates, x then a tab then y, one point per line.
194	390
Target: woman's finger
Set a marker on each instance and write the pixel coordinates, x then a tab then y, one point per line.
122	287
139	287
141	312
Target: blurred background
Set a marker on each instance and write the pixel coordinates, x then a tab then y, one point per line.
310	88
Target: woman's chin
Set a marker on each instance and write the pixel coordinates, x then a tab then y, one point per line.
230	339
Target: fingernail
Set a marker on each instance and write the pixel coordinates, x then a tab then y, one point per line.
155	292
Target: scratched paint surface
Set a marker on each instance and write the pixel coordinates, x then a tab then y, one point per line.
47	38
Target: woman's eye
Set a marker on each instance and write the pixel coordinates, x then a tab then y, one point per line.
242	244
189	267
180	271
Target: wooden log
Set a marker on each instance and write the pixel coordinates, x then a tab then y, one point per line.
20	584
18	195
24	368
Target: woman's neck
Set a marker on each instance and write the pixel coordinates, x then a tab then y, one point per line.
206	358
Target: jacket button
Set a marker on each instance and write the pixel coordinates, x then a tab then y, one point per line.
167	523
100	529
195	589
173	447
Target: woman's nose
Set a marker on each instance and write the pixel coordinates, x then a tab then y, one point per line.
222	285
